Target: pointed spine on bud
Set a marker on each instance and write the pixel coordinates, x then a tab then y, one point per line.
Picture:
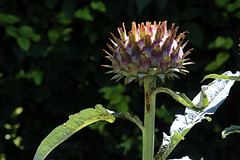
147	52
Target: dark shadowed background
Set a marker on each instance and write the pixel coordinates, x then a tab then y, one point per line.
50	67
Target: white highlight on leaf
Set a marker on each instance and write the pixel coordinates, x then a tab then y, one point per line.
217	91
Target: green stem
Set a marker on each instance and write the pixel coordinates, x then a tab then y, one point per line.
149	120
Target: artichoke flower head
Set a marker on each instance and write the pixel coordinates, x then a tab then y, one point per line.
148	51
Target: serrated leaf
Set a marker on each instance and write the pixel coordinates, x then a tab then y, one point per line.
75	123
230	130
24	43
217	91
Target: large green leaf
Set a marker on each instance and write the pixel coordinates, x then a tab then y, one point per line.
78	121
74	124
217	91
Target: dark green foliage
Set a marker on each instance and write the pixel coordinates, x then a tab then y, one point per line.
50	57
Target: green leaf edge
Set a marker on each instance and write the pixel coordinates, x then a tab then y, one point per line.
97	114
225	77
230	130
181	98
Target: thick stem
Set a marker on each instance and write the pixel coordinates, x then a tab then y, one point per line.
149	120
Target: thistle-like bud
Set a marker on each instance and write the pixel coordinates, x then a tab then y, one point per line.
148	51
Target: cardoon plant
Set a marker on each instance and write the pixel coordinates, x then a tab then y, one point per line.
146	53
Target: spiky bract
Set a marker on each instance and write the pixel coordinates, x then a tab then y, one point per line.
148	51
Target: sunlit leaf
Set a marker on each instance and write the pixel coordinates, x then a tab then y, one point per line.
183	99
75	123
226	77
217	91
